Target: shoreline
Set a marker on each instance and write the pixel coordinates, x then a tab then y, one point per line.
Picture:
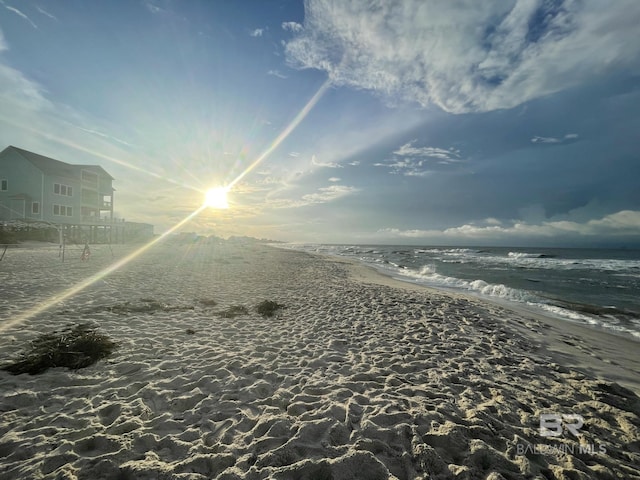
349	380
595	351
552	287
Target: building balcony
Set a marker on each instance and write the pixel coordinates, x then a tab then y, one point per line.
93	220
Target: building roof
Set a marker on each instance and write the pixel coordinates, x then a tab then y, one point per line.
55	167
97	169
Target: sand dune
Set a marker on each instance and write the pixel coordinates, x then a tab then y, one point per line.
351	380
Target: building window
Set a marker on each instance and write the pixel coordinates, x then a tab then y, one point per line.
60	189
63	211
4	185
35	208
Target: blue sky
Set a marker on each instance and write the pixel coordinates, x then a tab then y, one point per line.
420	122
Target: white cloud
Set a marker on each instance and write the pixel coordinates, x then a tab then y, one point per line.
408	150
257	32
567	137
276	73
104	135
328	194
545	140
334	179
318	163
408	167
623	223
322	195
21	14
45	13
412	161
153	8
16	90
292	27
478	57
32	120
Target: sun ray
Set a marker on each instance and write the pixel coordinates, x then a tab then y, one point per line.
93	153
78	287
286	132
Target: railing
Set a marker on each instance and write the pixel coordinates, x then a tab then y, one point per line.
96	203
98	220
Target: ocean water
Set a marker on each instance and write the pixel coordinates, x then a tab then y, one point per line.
596	287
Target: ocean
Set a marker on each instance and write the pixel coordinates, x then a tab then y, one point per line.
595	287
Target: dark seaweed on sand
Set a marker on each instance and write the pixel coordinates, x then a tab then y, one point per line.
145	305
268	308
208	302
234	311
74	347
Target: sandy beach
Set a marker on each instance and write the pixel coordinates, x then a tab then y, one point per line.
358	376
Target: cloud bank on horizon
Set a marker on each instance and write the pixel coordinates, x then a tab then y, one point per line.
451	122
622	224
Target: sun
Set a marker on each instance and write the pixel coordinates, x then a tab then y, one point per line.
216	198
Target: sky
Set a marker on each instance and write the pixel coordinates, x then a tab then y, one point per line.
422	122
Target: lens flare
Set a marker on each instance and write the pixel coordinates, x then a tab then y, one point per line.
286	132
78	287
216	197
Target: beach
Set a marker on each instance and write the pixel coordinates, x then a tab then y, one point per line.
357	376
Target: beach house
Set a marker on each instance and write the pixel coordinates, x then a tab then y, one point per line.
76	199
35	187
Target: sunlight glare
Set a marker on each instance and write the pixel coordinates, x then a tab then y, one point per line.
78	287
216	198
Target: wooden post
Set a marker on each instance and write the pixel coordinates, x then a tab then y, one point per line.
61	240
